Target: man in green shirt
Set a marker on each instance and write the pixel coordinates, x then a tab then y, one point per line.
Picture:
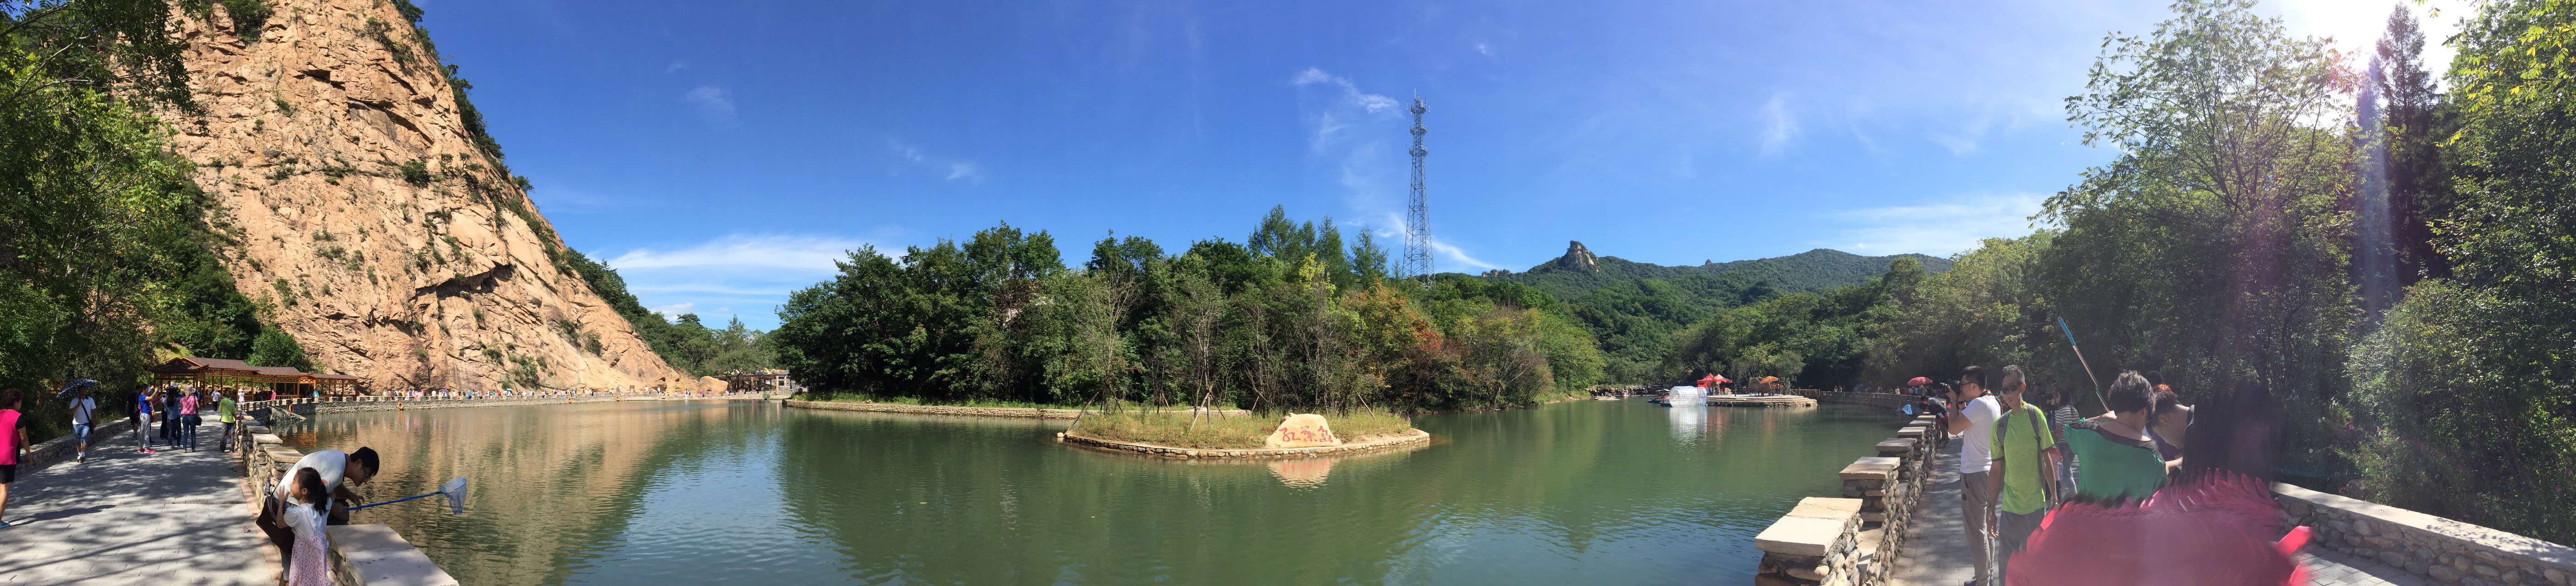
224	407
2022	470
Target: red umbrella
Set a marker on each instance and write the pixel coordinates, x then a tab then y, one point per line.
1918	381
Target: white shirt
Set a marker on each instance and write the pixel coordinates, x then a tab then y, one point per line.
81	408
331	464
1976	454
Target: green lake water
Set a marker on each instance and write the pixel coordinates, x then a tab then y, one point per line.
700	491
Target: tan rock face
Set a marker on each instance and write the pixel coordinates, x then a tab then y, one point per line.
430	276
1302	430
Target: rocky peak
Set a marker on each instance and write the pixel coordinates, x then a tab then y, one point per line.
361	208
1577	258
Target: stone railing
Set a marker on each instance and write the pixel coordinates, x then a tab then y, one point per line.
361	555
61	449
308	406
2448	551
1854	539
1888	400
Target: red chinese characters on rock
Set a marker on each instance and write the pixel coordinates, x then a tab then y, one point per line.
1301	431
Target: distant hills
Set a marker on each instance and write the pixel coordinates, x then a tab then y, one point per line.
1579	271
1633	308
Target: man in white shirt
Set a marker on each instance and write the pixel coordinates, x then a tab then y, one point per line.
335	466
1973	415
82	407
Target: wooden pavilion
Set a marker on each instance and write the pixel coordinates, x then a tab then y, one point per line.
760	381
227	373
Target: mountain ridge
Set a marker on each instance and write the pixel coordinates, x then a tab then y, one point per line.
1580	271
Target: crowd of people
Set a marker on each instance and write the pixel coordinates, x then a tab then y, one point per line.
313	494
2026	450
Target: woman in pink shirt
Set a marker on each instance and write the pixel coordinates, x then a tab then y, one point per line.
13	441
188	417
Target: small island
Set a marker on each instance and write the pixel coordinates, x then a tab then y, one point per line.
1185	435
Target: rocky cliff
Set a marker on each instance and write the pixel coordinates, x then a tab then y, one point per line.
359	203
1577	258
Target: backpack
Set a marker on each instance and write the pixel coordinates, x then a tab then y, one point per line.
2047	453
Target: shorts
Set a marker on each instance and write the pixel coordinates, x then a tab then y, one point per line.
80	432
8	473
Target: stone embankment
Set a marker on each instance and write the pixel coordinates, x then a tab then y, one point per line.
361	555
1410	437
299	408
1760	401
1020	412
1851	539
2447	551
1887	400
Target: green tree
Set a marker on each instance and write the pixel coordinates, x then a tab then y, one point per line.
2463	392
2212	250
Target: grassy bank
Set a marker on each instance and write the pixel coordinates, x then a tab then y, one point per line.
1226	432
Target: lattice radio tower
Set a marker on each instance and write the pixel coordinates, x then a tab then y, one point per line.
1417	229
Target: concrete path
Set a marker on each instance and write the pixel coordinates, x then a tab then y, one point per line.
2331	568
1936	552
131	518
1937	555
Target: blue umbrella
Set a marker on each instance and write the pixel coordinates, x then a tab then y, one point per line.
75	385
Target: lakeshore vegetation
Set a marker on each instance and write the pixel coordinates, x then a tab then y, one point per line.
2387	266
1292	319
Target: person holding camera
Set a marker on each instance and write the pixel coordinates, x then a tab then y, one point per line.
1972	416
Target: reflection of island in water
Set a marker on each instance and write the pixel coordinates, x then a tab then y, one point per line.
1297	472
1302	472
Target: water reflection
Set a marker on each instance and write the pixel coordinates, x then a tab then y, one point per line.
1690	423
1583	492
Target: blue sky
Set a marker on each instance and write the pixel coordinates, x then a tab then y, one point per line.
722	154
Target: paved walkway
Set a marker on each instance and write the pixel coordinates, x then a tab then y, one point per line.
130	518
1935	555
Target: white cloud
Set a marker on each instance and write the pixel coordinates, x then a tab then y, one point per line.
1373	183
1483	49
1778	125
676	67
949	169
1936	228
674	310
1350	91
747	269
1446	256
744	251
714	102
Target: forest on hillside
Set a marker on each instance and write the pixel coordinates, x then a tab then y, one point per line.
1638	311
1292	318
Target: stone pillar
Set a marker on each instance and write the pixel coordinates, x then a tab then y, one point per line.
1816	543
